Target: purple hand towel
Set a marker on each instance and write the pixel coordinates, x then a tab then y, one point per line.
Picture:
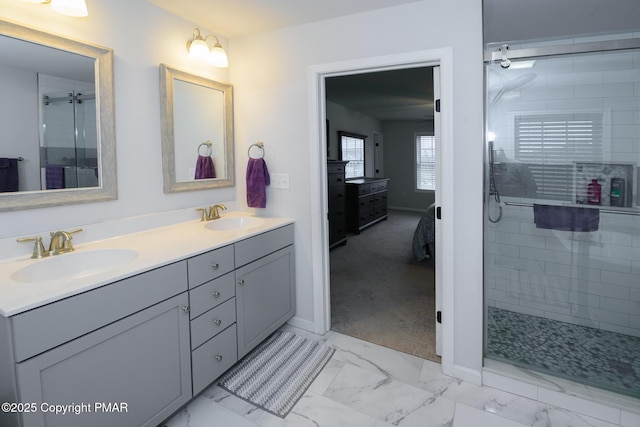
257	180
54	177
566	218
205	168
8	175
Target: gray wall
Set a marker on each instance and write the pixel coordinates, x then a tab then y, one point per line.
341	118
399	166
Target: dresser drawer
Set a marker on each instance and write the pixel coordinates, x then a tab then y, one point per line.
213	358
211	294
336	168
364	189
210	265
212	322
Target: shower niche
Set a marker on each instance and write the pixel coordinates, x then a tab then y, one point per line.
615	181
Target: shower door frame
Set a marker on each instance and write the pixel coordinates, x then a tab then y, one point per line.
493	55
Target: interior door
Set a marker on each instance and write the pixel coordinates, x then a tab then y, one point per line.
438	260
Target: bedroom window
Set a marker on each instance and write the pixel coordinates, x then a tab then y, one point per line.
425	162
352	150
550	144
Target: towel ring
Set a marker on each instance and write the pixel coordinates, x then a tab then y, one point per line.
258	144
208	145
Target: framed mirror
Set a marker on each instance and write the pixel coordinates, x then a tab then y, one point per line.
57	119
197	131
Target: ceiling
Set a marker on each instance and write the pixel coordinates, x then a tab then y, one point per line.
235	18
404	94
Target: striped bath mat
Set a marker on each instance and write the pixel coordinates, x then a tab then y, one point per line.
277	372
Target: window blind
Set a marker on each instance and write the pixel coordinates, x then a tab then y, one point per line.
550	144
353	150
425	162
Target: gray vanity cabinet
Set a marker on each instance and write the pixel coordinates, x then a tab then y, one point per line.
140	364
119	353
265	288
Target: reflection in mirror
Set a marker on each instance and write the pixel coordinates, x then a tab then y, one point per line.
197	132
57	117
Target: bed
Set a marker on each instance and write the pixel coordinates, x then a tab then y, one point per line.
425	235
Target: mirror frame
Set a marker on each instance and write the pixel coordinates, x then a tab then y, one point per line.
108	190
167	77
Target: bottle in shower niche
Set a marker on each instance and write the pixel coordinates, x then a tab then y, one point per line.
616	197
594	192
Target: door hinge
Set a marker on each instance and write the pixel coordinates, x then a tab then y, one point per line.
439	212
437	105
439	316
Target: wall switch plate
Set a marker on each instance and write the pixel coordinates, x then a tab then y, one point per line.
279	180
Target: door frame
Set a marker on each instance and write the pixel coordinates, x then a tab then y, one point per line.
318	184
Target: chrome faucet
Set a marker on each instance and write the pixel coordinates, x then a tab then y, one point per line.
212	212
60	243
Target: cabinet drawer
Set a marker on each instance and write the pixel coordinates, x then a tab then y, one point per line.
335	168
212	322
263	244
211	294
210	265
364	189
35	331
213	358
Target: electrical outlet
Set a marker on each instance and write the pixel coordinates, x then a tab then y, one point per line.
279	180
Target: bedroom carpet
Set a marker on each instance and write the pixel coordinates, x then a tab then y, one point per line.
380	293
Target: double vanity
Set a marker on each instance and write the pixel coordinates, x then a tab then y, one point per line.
127	330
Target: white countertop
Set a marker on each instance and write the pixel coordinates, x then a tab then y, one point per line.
155	248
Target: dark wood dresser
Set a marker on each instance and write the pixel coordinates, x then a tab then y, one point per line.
366	202
337	203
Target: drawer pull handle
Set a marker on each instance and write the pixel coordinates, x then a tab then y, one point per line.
215	265
241	282
216	294
185	308
218	357
217	322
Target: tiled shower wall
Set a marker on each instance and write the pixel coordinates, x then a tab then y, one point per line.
588	278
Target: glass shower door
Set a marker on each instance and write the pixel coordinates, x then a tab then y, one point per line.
562	222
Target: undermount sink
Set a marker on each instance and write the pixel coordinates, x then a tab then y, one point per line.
234	223
74	265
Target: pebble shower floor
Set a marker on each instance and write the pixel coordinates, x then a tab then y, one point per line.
590	356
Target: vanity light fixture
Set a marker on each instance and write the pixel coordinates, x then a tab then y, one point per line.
199	49
76	8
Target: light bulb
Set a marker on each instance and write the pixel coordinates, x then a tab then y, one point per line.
218	57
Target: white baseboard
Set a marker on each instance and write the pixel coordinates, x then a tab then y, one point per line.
301	323
469	375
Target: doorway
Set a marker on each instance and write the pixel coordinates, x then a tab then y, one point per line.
381	291
442	57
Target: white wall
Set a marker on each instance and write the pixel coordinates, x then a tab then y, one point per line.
142	36
19	105
270	72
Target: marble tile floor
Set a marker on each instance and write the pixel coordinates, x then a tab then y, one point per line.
372	386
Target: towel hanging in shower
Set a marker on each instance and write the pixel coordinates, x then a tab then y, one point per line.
566	218
54	176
